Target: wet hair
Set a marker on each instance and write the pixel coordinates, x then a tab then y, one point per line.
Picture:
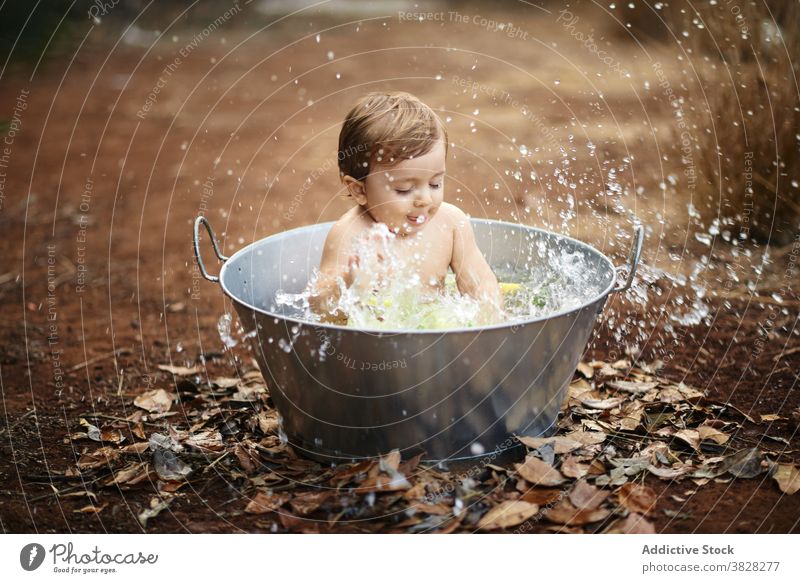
384	128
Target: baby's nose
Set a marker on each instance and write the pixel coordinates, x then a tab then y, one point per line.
423	197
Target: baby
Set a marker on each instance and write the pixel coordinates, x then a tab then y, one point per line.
392	153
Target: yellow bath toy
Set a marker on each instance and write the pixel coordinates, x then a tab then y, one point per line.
506	288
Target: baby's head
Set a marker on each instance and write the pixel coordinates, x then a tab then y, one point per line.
392	151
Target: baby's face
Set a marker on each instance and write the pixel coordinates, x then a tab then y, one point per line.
405	196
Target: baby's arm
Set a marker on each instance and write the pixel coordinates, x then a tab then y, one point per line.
473	274
336	262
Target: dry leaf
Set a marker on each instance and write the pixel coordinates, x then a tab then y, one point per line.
637	498
584	496
205	441
561	444
586	370
126	474
669	473
788	478
263	502
507	514
155	401
539	473
631	416
586	437
180	371
565	513
688	392
308	502
390	462
571	468
268	424
169	466
224	382
743	464
713	434
156	506
636	388
102	457
91	509
296	523
689	436
594	401
540	496
633	524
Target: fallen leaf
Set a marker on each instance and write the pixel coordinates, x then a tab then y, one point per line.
594	401
263	502
308	502
91	509
126	474
111	435
769	417
156	506
688	392
205	441
540	496
561	443
565	513
586	370
383	483
225	382
439	509
690	437
268	424
632	524
788	478
670	395
586	437
743	464
584	496
155	401
631	416
390	462
158	441
539	473
632	387
296	523
180	371
571	468
669	472
707	432
637	498
507	514
102	457
169	466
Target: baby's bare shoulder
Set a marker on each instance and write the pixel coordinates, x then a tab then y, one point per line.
348	226
457	218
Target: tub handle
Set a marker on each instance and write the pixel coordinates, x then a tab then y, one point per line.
633	258
204	221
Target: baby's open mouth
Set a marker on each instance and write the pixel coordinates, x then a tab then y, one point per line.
416	220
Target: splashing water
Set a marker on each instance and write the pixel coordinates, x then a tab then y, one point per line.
386	292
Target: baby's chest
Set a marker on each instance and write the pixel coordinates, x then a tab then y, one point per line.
428	257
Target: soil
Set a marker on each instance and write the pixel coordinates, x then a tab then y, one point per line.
92	185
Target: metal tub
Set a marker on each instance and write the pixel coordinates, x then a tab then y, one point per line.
346	393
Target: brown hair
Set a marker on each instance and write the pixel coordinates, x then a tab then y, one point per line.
384	128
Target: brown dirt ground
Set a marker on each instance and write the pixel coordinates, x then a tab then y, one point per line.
147	184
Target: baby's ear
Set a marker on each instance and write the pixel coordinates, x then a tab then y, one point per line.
356	189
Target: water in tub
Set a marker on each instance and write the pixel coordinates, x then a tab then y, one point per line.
386	292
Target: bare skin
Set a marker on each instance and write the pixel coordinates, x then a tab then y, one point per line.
432	235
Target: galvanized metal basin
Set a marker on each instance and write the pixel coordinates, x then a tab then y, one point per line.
345	393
